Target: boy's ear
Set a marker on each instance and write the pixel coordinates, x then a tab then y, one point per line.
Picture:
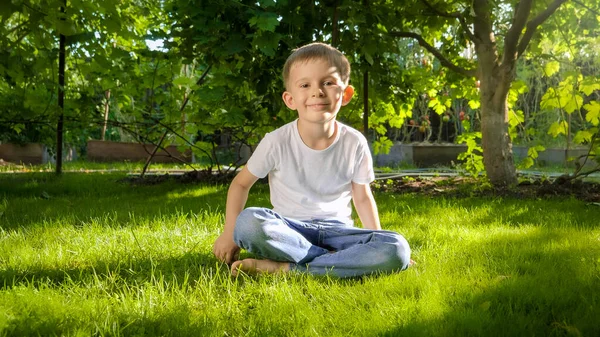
348	93
288	100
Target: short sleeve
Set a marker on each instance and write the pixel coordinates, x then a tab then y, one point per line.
262	161
363	167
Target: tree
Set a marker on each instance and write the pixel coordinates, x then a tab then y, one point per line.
481	22
51	51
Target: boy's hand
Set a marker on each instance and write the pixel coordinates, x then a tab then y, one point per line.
225	249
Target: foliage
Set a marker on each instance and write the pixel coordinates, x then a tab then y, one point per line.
216	79
473	156
102	40
572	87
477	25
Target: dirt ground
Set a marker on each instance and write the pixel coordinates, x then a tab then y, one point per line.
433	186
464	186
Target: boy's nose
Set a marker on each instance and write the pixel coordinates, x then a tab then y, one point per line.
318	93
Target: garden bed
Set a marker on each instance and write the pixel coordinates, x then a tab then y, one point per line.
444	154
469	187
29	154
107	151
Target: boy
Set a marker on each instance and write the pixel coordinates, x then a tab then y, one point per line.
316	165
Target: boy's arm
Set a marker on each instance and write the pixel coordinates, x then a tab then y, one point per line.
225	248
365	206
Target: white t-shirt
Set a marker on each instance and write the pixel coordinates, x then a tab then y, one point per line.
310	184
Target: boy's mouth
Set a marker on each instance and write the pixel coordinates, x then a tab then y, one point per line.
318	106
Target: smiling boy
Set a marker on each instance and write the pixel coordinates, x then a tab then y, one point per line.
316	166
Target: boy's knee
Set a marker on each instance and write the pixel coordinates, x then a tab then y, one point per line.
249	225
398	252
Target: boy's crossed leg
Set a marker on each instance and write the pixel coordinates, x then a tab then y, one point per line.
305	247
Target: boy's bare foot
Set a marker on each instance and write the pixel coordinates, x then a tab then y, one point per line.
254	266
411	263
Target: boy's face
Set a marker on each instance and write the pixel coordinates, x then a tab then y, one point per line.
316	90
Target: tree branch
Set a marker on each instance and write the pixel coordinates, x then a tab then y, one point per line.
535	23
30	6
483	23
15	28
512	36
443	60
198	82
465	27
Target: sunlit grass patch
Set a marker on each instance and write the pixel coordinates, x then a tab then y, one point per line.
84	254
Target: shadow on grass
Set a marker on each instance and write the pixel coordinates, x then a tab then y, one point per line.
29	199
537	284
125	269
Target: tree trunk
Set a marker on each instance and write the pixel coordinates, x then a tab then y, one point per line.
106	111
366	104
335	31
495	140
61	96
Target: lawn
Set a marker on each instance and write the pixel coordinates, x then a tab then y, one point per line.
83	254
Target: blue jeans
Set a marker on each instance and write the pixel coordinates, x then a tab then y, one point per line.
320	247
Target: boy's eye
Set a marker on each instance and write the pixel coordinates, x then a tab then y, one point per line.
304	85
327	83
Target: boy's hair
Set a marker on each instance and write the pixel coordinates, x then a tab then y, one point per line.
314	51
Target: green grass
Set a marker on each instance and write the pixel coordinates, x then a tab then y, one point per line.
85	255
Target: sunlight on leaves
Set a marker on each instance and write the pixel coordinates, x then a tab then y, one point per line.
558	128
382	145
593	113
551	68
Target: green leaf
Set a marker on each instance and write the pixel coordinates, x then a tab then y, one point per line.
516	117
588	86
18	128
558	128
382	145
474	104
448	102
396	122
520	87
532	152
184	81
437	106
574	103
66	28
551	68
405	110
593	112
466	125
369	58
582	137
235	44
389	109
267	43
549	100
432	92
527	163
113	25
381	129
265	21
